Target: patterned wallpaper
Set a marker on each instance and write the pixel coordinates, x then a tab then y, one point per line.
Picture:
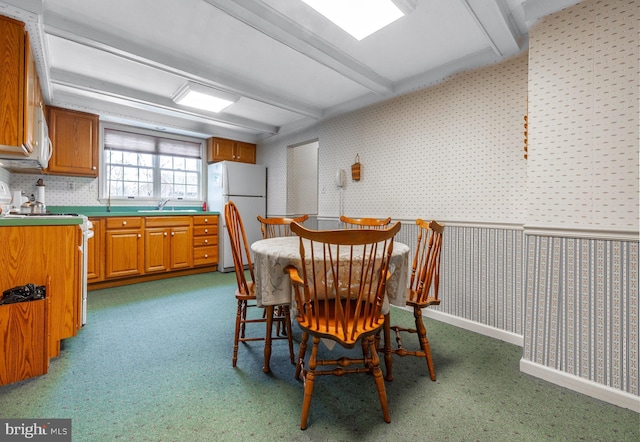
583	117
582	294
451	151
582	309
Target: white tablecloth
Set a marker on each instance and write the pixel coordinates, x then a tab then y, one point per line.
273	286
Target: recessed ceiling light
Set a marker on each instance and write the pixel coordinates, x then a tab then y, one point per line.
203	97
359	18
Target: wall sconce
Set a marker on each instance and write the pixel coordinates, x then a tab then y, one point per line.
355	169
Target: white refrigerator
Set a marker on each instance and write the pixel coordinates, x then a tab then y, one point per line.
245	185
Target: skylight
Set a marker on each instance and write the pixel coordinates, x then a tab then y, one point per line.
360	18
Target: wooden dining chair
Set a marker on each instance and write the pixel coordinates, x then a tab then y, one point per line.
364	223
339	291
245	293
276	227
422	292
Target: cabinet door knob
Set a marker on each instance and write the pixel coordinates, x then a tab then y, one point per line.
124	223
206	256
173	233
139	235
93	168
165	233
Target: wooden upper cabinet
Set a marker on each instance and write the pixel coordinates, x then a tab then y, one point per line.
19	89
222	149
74	136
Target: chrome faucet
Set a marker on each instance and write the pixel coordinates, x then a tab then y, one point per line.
162	203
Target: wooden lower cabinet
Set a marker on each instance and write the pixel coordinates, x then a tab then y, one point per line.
124	244
31	254
95	252
23	340
205	240
129	249
167	244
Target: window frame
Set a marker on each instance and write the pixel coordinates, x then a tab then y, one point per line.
103	193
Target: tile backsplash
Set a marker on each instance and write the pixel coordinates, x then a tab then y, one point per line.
59	190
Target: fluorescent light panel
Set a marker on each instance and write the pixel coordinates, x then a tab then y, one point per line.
203	97
359	18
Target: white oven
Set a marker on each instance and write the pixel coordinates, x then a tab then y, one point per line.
87	233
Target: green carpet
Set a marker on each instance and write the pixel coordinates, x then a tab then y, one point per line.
154	363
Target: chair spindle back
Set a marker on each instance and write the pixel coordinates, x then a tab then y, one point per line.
277	227
365	223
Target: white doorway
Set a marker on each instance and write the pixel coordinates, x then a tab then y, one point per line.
302	179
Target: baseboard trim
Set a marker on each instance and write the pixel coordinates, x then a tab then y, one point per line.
503	335
580	385
566	380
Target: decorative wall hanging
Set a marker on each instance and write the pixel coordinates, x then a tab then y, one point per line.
355	169
526	137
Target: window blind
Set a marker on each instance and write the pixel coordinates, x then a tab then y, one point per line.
142	143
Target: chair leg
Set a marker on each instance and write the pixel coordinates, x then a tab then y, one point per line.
309	381
267	340
243	318
377	375
424	342
288	331
388	351
236	337
301	354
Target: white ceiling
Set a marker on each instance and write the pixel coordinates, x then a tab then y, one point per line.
125	59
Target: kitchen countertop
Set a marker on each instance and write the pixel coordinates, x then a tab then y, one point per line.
9	221
101	211
97	211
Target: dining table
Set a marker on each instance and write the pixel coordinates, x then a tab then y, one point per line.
273	286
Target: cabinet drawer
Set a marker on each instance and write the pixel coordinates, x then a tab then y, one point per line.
204	220
205	230
205	255
124	222
210	240
167	221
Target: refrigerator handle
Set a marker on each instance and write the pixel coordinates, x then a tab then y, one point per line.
225	179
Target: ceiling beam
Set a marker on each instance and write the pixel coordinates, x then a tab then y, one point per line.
272	23
125	114
110	92
58	26
496	26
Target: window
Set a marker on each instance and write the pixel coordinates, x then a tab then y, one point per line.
141	166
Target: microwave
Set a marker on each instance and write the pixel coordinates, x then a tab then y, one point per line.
42	149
